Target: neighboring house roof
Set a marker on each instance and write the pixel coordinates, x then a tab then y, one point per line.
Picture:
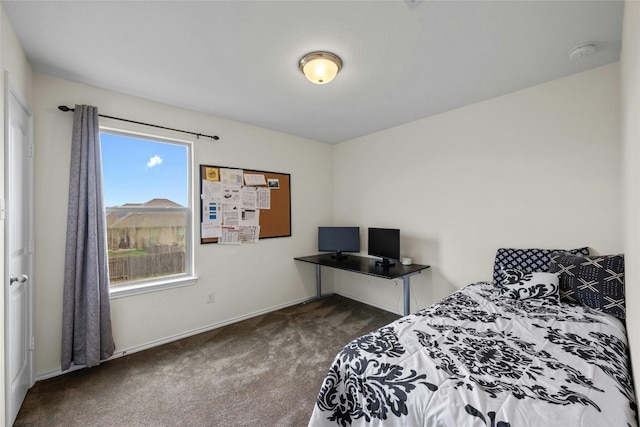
162	203
151	219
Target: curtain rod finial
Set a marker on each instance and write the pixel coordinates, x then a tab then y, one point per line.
64	108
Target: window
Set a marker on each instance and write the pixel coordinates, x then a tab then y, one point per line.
147	195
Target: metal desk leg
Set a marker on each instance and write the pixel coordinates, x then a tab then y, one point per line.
407	297
318	282
319	295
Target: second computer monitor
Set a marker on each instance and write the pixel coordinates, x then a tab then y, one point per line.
384	243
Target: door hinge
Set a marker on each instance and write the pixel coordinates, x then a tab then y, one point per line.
31	150
32	246
32	343
2	212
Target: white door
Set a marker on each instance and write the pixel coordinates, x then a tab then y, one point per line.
18	251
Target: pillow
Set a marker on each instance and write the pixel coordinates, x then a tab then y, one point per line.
519	284
527	260
595	281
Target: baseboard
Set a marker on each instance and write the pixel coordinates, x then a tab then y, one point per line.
152	344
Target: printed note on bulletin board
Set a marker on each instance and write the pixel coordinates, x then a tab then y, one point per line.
242	205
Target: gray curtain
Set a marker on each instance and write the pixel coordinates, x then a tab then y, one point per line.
86	323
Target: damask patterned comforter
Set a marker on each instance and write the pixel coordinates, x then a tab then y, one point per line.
479	359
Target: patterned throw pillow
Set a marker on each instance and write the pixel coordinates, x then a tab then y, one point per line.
519	284
527	260
595	281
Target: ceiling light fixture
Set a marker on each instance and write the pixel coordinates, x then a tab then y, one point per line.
320	67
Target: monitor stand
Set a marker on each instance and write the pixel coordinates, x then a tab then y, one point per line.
339	256
385	263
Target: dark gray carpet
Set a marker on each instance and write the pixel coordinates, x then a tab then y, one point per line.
265	371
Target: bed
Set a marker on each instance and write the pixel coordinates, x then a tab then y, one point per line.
544	344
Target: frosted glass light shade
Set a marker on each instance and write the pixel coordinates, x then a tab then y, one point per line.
320	67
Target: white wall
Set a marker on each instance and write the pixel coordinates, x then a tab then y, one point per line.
245	279
630	83
535	168
13	60
540	167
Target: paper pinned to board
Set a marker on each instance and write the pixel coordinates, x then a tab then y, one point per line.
231	194
263	198
254	179
212	174
211	189
250	217
230	235
231	176
248	197
211	212
231	216
209	230
249	234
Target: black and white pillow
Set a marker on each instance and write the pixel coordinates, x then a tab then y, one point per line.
520	284
527	260
595	281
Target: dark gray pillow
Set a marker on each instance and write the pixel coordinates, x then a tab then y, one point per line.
527	260
595	281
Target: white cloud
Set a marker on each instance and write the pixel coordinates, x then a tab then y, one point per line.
154	161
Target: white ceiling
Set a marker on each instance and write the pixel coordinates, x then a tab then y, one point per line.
403	60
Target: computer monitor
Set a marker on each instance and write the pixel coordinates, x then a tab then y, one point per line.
339	240
384	243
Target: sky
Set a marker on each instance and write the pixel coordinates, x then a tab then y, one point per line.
137	170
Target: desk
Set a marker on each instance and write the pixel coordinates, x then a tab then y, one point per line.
362	265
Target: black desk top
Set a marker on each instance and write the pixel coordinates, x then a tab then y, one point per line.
364	265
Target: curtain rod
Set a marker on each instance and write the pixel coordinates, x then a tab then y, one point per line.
198	135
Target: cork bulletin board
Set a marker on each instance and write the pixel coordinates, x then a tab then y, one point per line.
274	221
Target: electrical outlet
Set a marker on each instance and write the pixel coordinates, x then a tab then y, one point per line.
210	297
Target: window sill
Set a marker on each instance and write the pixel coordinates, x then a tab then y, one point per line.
152	286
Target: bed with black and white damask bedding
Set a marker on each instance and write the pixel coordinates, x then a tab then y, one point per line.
502	355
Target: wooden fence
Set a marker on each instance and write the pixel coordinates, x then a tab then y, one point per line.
137	267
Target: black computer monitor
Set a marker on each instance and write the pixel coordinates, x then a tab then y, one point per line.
339	240
384	243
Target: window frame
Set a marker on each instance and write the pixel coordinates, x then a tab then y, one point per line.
187	278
